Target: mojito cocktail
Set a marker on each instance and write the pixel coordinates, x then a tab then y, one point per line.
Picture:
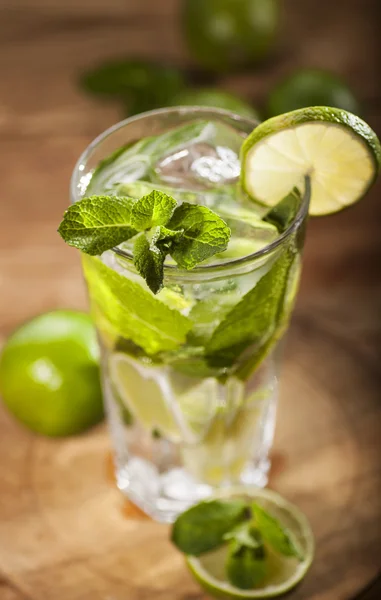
190	373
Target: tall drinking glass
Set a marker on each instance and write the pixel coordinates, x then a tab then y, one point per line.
190	376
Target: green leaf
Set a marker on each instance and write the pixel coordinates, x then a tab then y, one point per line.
204	234
154	209
246	563
275	534
133	311
202	527
149	262
254	320
284	213
97	223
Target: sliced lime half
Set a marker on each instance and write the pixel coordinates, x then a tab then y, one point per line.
283	572
338	150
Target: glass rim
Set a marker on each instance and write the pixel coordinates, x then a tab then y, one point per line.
196	110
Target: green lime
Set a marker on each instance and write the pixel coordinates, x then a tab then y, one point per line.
49	374
311	87
339	151
282	572
223	34
216	99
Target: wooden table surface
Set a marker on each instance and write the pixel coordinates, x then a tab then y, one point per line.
65	533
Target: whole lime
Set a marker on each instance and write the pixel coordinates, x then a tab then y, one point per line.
215	98
311	87
49	374
223	34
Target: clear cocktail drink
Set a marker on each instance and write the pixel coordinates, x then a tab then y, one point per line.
190	374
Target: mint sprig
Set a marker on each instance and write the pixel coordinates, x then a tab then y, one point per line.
248	531
189	233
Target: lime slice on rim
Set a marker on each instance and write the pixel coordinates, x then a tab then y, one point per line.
338	150
283	572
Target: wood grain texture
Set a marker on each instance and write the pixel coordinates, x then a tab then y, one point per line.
65	532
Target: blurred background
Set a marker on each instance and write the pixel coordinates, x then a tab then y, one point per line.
71	69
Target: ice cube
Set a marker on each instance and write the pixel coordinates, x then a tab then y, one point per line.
209	158
223	167
126	165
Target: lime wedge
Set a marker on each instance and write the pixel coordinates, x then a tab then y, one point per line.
283	573
176	405
338	150
140	388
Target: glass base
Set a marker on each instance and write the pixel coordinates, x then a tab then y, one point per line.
164	495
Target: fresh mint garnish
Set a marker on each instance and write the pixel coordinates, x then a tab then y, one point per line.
154	209
189	233
204	234
246	561
202	527
249	533
97	223
273	532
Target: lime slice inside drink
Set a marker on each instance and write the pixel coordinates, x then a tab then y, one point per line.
175	405
283	573
338	150
140	389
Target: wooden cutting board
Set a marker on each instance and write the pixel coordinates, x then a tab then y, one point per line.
67	534
65	531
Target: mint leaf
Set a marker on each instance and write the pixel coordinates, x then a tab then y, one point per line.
133	311
97	223
202	527
149	257
204	234
275	534
149	262
246	563
164	238
254	320
154	209
284	213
